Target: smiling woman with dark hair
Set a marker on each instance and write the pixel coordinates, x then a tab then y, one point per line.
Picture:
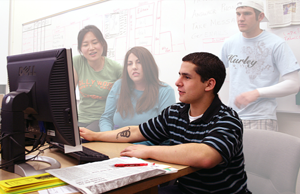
94	74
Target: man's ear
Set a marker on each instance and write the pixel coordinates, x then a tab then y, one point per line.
261	16
210	84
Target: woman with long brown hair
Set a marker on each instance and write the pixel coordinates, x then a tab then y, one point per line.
139	95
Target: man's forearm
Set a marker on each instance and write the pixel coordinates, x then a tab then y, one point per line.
191	154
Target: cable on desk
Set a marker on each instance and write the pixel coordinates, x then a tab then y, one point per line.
38	142
9	163
36	146
3	136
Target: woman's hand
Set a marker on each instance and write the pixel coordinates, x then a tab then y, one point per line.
87	134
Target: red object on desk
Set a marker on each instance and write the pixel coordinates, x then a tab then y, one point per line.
133	164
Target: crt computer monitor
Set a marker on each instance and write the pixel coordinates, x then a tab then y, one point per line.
41	103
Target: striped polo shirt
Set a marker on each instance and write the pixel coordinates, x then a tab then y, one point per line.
220	128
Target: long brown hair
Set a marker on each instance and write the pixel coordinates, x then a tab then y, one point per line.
150	95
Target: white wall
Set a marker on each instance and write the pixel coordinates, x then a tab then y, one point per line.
289	123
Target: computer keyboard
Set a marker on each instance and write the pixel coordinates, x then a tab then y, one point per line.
84	156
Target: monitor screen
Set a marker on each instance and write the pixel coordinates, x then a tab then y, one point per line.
41	103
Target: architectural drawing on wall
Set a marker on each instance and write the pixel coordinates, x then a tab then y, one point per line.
115	24
34	36
170	27
27	44
161	26
145	24
114	32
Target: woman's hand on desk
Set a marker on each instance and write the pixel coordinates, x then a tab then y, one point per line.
87	134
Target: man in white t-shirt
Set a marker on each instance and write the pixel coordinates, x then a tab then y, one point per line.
256	60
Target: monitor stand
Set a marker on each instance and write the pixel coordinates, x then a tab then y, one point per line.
26	169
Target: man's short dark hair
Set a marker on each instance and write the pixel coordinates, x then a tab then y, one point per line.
208	66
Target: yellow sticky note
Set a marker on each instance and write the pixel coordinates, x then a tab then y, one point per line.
30	183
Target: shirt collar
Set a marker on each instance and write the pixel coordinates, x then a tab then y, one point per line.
212	110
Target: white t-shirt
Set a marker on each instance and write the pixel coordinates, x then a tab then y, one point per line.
255	63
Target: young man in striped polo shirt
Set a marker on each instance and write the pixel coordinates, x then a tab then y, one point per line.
203	132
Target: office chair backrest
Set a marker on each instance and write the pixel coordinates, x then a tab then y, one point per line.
272	161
